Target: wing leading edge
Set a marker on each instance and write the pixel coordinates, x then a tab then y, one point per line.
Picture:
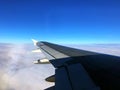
103	70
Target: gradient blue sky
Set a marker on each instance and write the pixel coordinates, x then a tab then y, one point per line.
60	21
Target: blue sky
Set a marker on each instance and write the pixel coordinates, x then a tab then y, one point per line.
60	21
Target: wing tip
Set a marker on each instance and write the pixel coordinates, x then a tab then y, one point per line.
34	42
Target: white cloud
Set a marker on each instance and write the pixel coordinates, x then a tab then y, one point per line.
19	73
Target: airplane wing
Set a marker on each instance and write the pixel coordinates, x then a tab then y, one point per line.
79	69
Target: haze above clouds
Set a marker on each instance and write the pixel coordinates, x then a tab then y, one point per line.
17	71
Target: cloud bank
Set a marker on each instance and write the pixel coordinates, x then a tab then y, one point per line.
18	71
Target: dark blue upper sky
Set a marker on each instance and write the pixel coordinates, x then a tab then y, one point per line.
60	21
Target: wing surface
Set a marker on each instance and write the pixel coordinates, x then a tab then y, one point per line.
79	69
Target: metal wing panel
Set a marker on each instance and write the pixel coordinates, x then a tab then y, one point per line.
52	52
68	51
60	54
103	69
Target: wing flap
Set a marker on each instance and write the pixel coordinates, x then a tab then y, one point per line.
73	77
79	78
62	80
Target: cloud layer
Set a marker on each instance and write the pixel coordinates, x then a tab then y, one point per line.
18	71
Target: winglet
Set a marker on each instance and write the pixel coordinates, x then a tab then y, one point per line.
34	41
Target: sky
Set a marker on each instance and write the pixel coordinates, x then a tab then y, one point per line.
60	21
